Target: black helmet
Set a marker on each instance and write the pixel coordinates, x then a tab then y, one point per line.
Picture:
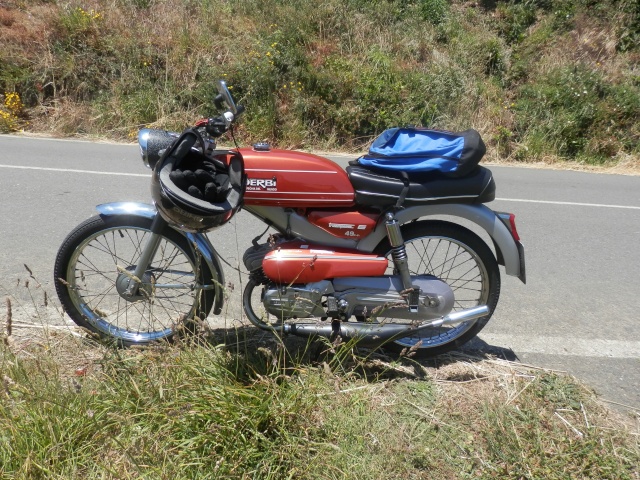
195	192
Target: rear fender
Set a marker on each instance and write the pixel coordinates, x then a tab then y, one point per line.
507	248
203	245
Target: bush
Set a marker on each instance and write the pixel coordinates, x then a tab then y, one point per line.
576	112
514	19
434	11
10	111
630	30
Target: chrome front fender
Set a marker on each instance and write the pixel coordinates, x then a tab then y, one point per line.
481	215
202	243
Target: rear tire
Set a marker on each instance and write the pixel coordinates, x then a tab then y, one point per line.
463	260
97	259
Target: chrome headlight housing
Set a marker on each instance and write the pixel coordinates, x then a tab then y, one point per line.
153	144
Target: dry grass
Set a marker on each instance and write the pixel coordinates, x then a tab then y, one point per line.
326	415
625	165
105	68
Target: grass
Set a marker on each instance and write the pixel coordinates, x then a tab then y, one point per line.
239	405
335	74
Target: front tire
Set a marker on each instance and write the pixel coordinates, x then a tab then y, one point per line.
463	260
95	264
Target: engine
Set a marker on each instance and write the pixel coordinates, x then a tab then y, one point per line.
294	302
342	297
360	296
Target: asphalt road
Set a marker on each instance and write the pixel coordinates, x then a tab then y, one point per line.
579	312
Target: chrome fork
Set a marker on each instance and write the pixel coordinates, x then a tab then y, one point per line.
146	256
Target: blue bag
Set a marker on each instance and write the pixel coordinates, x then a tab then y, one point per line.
423	150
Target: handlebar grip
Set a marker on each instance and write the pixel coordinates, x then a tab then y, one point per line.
216	126
239	110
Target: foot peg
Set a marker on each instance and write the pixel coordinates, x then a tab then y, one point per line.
413	299
332	307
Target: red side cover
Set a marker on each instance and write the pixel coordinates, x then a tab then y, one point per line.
312	264
344	224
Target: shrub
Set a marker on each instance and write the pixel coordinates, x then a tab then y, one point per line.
629	38
10	111
514	19
434	11
572	112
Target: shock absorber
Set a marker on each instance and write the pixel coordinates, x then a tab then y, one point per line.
400	260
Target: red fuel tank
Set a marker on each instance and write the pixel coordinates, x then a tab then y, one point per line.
300	263
284	178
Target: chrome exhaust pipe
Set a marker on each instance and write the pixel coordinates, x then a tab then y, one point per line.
374	334
458	317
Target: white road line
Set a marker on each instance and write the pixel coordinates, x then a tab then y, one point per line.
66	140
568	203
580	347
549	202
70	170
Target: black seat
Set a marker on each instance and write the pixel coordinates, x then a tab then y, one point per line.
381	188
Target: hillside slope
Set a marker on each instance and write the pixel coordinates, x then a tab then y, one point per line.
540	79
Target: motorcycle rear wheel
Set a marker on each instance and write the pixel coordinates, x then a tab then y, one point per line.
463	260
97	260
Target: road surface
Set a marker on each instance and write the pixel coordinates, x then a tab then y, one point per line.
579	312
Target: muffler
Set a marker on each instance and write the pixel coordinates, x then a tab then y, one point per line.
376	334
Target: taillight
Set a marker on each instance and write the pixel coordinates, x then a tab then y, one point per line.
509	220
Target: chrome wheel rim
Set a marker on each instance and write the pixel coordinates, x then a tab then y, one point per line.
101	266
455	263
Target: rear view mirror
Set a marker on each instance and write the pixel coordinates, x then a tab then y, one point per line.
226	96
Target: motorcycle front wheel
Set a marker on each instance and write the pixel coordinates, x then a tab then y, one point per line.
463	260
93	269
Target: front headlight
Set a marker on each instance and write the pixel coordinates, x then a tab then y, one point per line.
153	143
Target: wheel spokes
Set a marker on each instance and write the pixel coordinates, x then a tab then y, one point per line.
102	259
457	265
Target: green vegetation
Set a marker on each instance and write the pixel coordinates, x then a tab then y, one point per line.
69	409
540	79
